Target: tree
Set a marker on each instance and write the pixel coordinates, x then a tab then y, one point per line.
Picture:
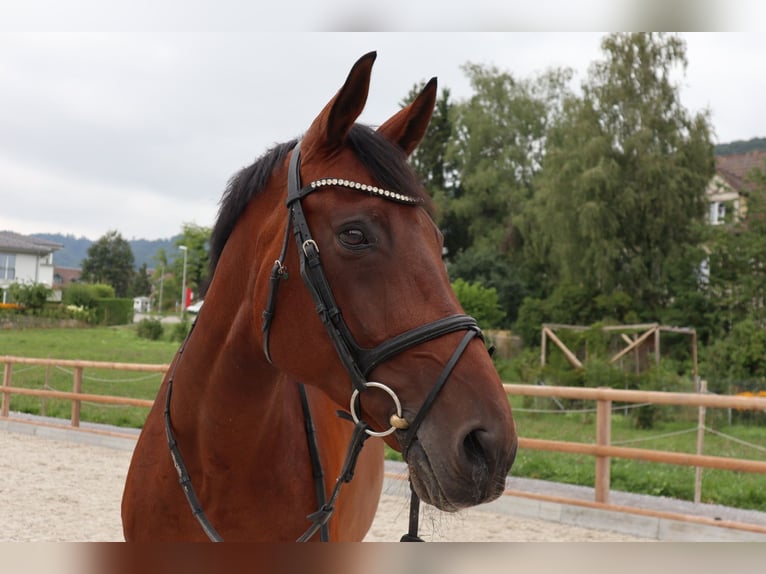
735	292
736	282
196	239
428	159
110	260
494	153
622	185
478	163
484	265
142	284
168	273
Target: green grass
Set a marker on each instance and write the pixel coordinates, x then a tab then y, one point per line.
741	490
111	344
121	344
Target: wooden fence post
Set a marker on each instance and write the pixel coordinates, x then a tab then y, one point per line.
700	445
47	387
6	400
603	438
77	388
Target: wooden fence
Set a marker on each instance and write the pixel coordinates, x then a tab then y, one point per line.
601	449
76	395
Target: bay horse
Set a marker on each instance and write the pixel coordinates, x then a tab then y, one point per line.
343	210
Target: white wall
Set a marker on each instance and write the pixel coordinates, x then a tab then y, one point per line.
34	269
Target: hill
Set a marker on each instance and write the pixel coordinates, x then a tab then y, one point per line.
740	146
76	249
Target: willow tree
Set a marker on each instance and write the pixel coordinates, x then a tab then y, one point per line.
621	192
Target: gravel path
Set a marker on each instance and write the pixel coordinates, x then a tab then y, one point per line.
62	491
68	489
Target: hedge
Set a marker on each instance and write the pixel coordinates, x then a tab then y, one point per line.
113	311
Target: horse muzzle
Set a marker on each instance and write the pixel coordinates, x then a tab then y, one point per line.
467	470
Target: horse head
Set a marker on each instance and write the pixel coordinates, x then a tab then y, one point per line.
359	215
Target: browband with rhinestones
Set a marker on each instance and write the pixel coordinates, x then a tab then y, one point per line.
371	189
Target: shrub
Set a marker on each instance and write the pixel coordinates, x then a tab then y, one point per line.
150	329
740	356
86	295
180	330
480	302
31	296
114	311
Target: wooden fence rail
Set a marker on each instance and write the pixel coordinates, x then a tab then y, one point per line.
602	450
76	396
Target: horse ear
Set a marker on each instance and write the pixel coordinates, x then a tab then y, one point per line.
408	126
331	126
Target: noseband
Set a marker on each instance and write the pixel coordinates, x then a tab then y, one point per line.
358	361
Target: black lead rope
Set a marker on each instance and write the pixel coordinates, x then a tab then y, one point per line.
412	533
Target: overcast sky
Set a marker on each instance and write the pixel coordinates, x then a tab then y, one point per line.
139	132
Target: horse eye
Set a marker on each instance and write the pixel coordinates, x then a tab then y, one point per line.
353	238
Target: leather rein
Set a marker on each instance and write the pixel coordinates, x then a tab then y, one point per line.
358	361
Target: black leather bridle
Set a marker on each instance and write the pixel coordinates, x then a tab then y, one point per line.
358	361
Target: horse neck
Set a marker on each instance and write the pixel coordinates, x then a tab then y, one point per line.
223	368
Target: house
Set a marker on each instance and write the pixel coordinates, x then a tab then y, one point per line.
25	259
64	276
727	191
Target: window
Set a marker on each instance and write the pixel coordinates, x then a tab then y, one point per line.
717	212
7	266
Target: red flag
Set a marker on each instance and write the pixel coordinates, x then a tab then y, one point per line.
188	297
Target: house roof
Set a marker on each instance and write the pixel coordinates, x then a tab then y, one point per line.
17	243
735	168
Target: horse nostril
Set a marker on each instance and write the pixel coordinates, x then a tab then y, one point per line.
474	448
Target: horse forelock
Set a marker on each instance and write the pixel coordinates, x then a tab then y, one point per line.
386	163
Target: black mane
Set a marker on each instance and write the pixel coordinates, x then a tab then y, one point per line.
386	163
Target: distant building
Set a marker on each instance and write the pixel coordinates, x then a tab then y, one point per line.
142	304
25	259
64	276
727	191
